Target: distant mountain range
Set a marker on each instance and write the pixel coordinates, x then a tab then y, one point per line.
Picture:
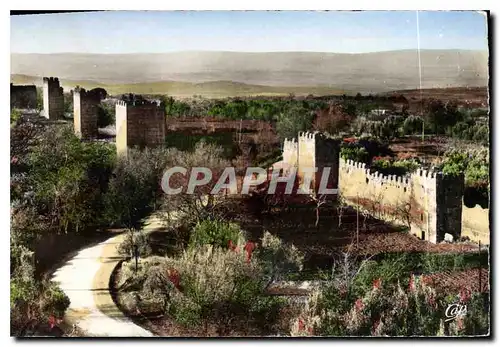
260	72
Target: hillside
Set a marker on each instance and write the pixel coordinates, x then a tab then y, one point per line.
216	89
267	73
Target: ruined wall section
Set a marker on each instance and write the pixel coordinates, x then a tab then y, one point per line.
85	113
141	124
23	97
476	223
121	127
53	99
306	155
384	197
290	151
427	202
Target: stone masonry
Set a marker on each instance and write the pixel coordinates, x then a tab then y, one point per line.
22	97
140	124
53	99
427	202
85	113
313	150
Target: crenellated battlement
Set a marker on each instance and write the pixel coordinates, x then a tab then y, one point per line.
120	103
51	80
425	200
374	176
139	122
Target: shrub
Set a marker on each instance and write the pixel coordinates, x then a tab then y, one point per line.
387	310
394	167
279	258
212	282
105	115
358	154
132	240
216	233
134	190
15	114
32	302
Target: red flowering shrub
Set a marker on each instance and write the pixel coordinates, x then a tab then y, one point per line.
249	247
174	277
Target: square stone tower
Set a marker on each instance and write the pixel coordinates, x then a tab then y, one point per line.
140	124
85	113
317	151
53	99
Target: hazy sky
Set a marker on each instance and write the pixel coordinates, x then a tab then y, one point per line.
257	31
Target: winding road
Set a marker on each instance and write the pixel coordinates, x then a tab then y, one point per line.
85	280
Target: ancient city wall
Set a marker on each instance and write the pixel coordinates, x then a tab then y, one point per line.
141	124
207	124
53	99
22	97
85	113
476	223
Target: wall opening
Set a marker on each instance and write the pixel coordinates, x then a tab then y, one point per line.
423	235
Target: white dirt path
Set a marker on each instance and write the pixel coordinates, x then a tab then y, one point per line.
85	280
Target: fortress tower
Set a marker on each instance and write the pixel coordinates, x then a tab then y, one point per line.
53	99
139	123
313	150
85	113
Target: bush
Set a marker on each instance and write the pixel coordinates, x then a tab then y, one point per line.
216	233
395	167
15	114
355	153
388	309
213	284
135	239
412	125
105	115
135	190
32	302
279	259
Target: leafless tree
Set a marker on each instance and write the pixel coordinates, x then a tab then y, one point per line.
319	200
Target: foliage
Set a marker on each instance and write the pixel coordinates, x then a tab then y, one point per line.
189	209
440	115
292	121
132	240
105	115
32	302
385	129
39	99
278	258
412	125
135	188
389	166
67	178
15	114
387	309
355	153
188	142
216	233
333	119
68	104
